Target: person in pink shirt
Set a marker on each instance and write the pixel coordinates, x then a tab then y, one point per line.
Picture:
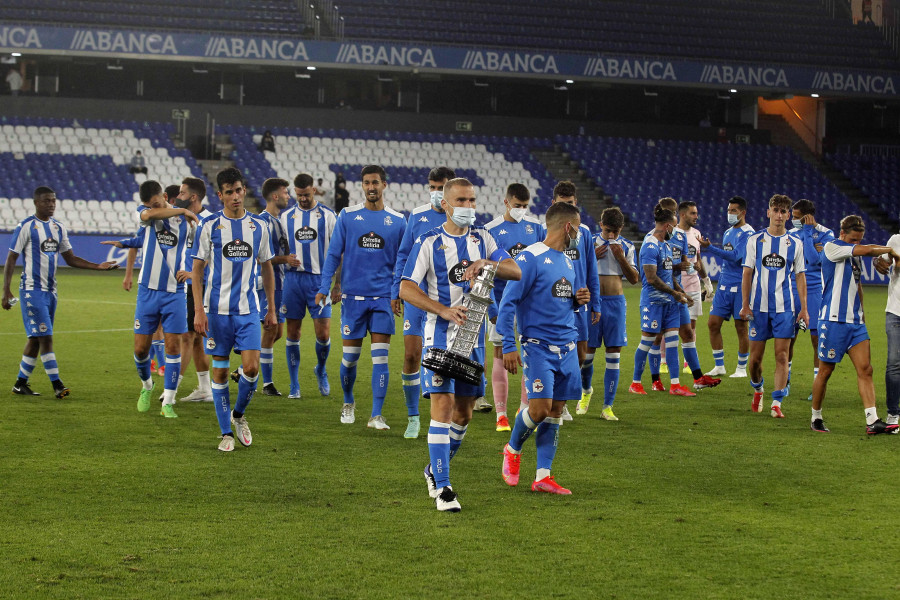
691	280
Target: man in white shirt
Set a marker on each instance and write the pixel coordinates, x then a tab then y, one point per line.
892	327
14	80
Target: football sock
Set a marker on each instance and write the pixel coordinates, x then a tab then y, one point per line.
50	366
719	358
158	351
26	367
757	386
143	369
292	354
381	375
439	452
654	357
640	357
521	431
871	415
411	389
587	372
672	356
743	357
172	377
817	414
499	385
266	356
546	439
348	371
611	378
689	349
203	381
457	433
777	397
322	351
815	372
246	388
222	403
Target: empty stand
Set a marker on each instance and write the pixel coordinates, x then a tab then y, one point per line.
876	176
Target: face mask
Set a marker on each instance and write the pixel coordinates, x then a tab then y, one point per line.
798	224
463	216
436	198
179	203
518	214
574	241
733	219
668	234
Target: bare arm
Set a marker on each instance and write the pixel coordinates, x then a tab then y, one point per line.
8	269
801	291
155	214
200	321
654	280
746	282
270	320
628	271
80	263
129	269
698	264
412	293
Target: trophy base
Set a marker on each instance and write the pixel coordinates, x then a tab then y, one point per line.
453	366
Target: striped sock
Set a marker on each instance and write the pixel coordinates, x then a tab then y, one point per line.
439	452
348	371
719	358
457	433
266	357
655	361
381	376
246	388
521	431
292	354
587	372
26	366
546	440
50	366
322	351
411	389
222	403
611	378
640	357
689	349
172	377
742	360
672	357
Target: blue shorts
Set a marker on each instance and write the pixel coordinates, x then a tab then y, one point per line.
155	307
38	312
684	314
583	325
551	371
359	316
660	317
727	304
765	326
264	305
413	320
610	331
835	339
434	383
232	332
299	295
813	305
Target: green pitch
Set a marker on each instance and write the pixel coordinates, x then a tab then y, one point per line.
682	498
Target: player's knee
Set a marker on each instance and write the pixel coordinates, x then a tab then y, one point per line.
251	371
865	371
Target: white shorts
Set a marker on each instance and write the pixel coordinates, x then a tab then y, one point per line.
494	337
697	309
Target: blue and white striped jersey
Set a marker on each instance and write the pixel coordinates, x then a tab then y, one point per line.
368	241
514	237
841	272
308	234
39	243
278	244
731	255
658	254
542	301
192	239
437	263
232	249
607	264
680	247
585	263
164	244
421	220
809	236
773	260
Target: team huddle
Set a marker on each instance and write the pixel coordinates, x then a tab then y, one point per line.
229	281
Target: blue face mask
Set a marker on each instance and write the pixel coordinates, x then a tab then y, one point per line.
436	198
463	216
574	241
798	224
733	219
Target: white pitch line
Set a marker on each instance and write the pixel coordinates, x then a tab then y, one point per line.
97	301
75	331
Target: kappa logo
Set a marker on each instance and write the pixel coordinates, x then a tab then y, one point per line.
502	232
220	226
537	387
210	344
346	330
646	310
547	261
359	218
437	380
831	353
137	324
521	258
424	219
443	247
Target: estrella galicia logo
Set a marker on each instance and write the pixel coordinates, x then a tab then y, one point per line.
166	238
729	247
562	288
305	235
773	261
667	264
458	271
372	241
237	251
514	251
676	254
572	253
49	246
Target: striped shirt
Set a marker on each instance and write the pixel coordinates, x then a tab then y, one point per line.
164	244
421	220
39	243
841	273
278	245
607	264
657	254
308	235
195	231
809	236
436	264
232	249
773	260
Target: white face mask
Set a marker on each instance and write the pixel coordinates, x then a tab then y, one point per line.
517	214
436	198
463	216
798	224
732	219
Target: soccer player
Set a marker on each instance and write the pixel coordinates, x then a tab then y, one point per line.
163	238
274	191
615	259
727	301
445	260
813	236
366	237
767	300
544	301
234	244
422	219
514	230
695	278
891	269
308	228
661	298
586	271
40	239
842	326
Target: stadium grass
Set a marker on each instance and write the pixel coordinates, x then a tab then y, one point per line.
682	498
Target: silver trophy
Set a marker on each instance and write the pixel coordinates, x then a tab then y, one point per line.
455	362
